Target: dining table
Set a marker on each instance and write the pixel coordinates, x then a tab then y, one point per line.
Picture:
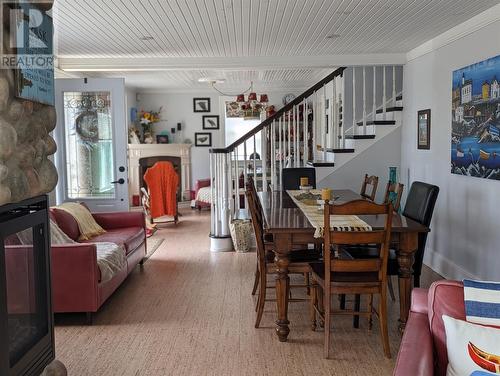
289	225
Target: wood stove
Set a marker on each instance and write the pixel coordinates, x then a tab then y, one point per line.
26	319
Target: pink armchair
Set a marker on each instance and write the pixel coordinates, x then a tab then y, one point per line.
423	347
202	183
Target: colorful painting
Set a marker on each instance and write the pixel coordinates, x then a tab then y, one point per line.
475	138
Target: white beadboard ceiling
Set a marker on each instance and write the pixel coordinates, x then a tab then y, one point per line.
242	40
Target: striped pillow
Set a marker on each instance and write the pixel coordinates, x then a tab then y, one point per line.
482	302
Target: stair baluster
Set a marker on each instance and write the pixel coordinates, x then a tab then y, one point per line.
305	146
374	107
384	93
364	100
394	86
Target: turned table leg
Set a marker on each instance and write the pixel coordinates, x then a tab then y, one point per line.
282	247
407	247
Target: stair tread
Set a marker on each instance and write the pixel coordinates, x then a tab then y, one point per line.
320	163
339	150
390	109
378	122
360	137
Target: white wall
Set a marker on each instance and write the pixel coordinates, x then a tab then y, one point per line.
178	107
465	236
373	161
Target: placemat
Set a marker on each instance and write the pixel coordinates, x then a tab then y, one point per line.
307	202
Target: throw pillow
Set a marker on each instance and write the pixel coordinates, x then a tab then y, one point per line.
482	302
473	350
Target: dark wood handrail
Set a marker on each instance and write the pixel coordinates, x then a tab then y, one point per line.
281	111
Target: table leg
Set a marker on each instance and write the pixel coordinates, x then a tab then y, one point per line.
282	247
407	246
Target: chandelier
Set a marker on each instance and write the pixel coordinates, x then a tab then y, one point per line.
250	108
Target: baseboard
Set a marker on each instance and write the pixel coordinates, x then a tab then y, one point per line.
444	266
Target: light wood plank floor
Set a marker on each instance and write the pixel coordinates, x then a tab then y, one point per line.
190	312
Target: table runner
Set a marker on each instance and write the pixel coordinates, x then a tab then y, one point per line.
307	202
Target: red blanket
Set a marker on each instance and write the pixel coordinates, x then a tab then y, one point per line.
162	181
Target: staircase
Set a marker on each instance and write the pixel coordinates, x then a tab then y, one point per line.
326	127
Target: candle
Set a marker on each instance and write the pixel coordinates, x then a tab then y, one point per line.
326	194
304	182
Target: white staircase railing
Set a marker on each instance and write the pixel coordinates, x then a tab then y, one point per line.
309	129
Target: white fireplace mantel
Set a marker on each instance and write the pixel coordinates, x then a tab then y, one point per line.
138	151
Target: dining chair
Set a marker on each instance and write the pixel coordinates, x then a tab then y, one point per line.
339	274
291	177
372	183
300	260
419	206
393	193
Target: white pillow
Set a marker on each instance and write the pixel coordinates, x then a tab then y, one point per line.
473	350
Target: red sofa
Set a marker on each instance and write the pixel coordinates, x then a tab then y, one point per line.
423	347
76	283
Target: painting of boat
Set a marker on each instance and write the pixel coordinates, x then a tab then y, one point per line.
475	136
486	361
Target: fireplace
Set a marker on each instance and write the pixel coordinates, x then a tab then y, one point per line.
147	162
26	320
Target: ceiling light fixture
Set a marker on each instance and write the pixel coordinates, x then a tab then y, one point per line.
146	37
332	36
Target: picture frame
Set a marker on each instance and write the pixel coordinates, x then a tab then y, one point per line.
210	121
162	139
203	139
201	104
424	129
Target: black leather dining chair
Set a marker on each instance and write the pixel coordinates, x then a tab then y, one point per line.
419	206
291	177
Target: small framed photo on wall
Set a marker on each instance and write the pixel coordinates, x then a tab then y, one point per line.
424	129
201	104
203	139
210	121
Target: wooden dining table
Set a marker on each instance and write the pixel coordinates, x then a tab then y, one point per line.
288	225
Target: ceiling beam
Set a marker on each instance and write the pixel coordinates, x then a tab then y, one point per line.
83	64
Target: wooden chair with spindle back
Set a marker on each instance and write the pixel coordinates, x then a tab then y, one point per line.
397	190
299	259
346	275
369	182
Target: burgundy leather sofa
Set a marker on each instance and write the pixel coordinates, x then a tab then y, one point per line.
76	283
423	347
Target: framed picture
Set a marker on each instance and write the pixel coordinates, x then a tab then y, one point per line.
424	129
210	121
162	139
203	139
201	104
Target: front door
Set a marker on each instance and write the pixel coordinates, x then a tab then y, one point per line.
91	135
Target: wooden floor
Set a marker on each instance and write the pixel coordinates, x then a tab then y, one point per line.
190	312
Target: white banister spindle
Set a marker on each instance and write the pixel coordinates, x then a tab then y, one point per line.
374	107
289	139
245	171
237	198
314	124
263	154
364	100
324	123
254	161
295	138
273	155
335	121
305	137
394	85
384	93
280	147
342	83
354	125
